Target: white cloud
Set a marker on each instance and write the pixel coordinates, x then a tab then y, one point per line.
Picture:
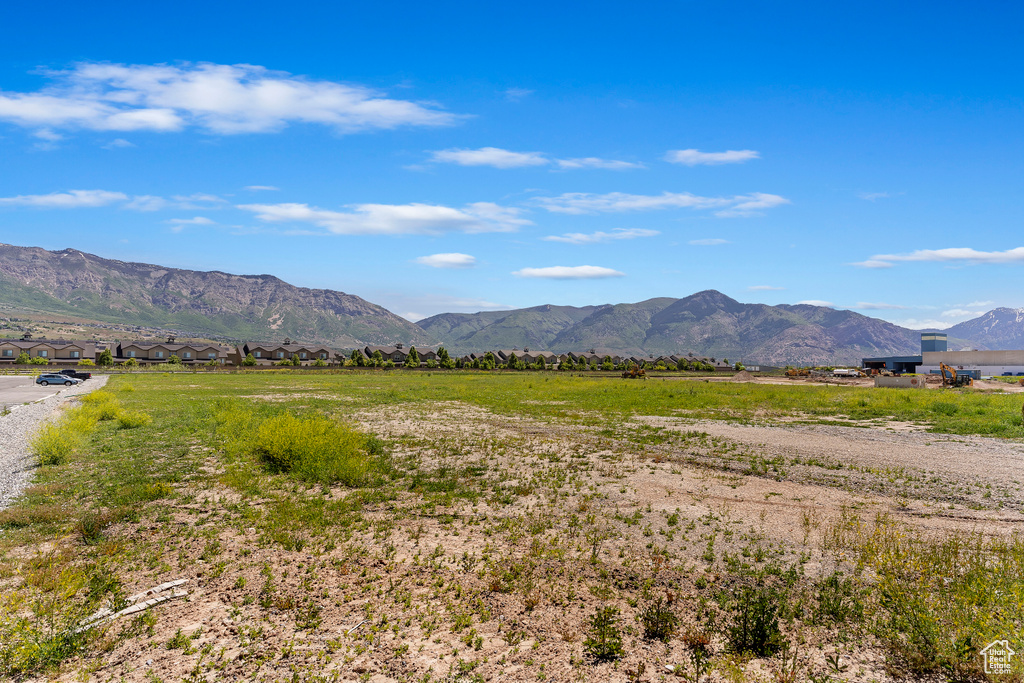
873	196
503	158
262	188
751	205
868	306
617	202
218	98
708	242
199	197
391	219
452	260
118	143
72	199
815	302
871	263
489	156
596	237
47	134
961	313
84	199
584	203
979	304
695	157
594	162
951	254
765	288
148	202
569	272
517	94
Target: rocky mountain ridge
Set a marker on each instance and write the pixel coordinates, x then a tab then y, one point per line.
255	307
707	323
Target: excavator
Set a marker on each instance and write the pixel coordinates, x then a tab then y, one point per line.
634	372
950	378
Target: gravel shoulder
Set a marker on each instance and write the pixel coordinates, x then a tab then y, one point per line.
17	427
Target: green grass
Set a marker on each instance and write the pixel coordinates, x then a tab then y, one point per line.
600	399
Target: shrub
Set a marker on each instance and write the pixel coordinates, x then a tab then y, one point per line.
315	449
319	363
755	624
131	364
173	360
106	358
22	359
604	640
838	600
92	526
54	443
107	411
659	621
249	360
86	362
130	419
39	360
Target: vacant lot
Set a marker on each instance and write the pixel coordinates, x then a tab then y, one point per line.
474	526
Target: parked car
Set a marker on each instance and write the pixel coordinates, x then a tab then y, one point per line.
77	374
47	380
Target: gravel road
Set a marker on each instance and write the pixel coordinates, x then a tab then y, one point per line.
17	427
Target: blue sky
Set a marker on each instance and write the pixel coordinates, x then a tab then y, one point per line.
456	157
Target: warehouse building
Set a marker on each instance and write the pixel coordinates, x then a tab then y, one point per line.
934	350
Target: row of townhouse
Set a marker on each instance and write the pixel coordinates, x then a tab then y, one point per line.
53	351
72	352
65	352
270	353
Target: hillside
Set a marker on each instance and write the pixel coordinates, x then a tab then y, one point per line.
254	307
707	323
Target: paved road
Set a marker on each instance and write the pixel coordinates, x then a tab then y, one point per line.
15	390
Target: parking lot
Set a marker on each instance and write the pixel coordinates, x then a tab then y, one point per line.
17	389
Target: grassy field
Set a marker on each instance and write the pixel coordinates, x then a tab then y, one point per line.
461	526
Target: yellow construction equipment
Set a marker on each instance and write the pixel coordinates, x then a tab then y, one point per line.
798	372
950	378
635	373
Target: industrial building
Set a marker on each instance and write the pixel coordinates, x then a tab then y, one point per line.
934	350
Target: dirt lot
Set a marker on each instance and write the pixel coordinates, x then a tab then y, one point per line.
490	567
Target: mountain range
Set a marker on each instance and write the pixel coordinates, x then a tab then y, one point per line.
229	307
220	305
707	323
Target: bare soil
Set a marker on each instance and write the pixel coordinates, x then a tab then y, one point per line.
570	518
